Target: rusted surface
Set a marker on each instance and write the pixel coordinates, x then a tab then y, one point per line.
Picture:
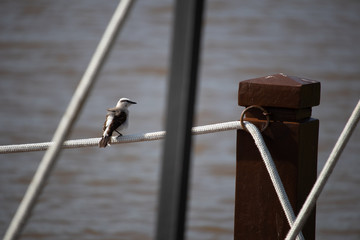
292	140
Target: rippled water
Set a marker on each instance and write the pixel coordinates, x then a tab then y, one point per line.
94	193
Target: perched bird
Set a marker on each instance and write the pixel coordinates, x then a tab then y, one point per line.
117	119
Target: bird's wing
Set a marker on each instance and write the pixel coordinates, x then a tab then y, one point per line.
108	115
119	118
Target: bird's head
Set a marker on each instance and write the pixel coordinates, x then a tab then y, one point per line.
124	102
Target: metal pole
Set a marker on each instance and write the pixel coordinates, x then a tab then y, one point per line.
47	163
181	101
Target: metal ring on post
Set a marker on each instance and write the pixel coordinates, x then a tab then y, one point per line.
264	112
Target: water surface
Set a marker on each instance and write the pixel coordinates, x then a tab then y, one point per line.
110	193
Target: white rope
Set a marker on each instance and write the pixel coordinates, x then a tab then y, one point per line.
296	225
226	126
67	120
91	142
218	127
325	173
274	175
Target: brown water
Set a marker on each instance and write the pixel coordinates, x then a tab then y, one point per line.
110	193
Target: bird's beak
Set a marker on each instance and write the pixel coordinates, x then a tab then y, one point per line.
132	102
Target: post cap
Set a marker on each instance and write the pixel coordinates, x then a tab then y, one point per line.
279	90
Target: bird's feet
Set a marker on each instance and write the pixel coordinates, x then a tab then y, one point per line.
119	134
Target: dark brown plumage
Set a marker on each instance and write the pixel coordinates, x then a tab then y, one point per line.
118	118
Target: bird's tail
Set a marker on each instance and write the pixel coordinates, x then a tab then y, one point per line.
105	140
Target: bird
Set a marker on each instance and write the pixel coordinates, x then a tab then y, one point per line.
116	120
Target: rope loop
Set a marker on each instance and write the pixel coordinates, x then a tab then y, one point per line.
264	112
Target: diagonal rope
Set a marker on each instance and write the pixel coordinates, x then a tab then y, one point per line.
274	175
48	161
325	173
91	142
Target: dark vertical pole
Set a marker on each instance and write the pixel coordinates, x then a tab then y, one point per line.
181	101
292	139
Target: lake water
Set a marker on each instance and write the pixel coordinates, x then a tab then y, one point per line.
111	193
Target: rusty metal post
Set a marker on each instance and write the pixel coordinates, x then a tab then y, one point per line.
292	139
